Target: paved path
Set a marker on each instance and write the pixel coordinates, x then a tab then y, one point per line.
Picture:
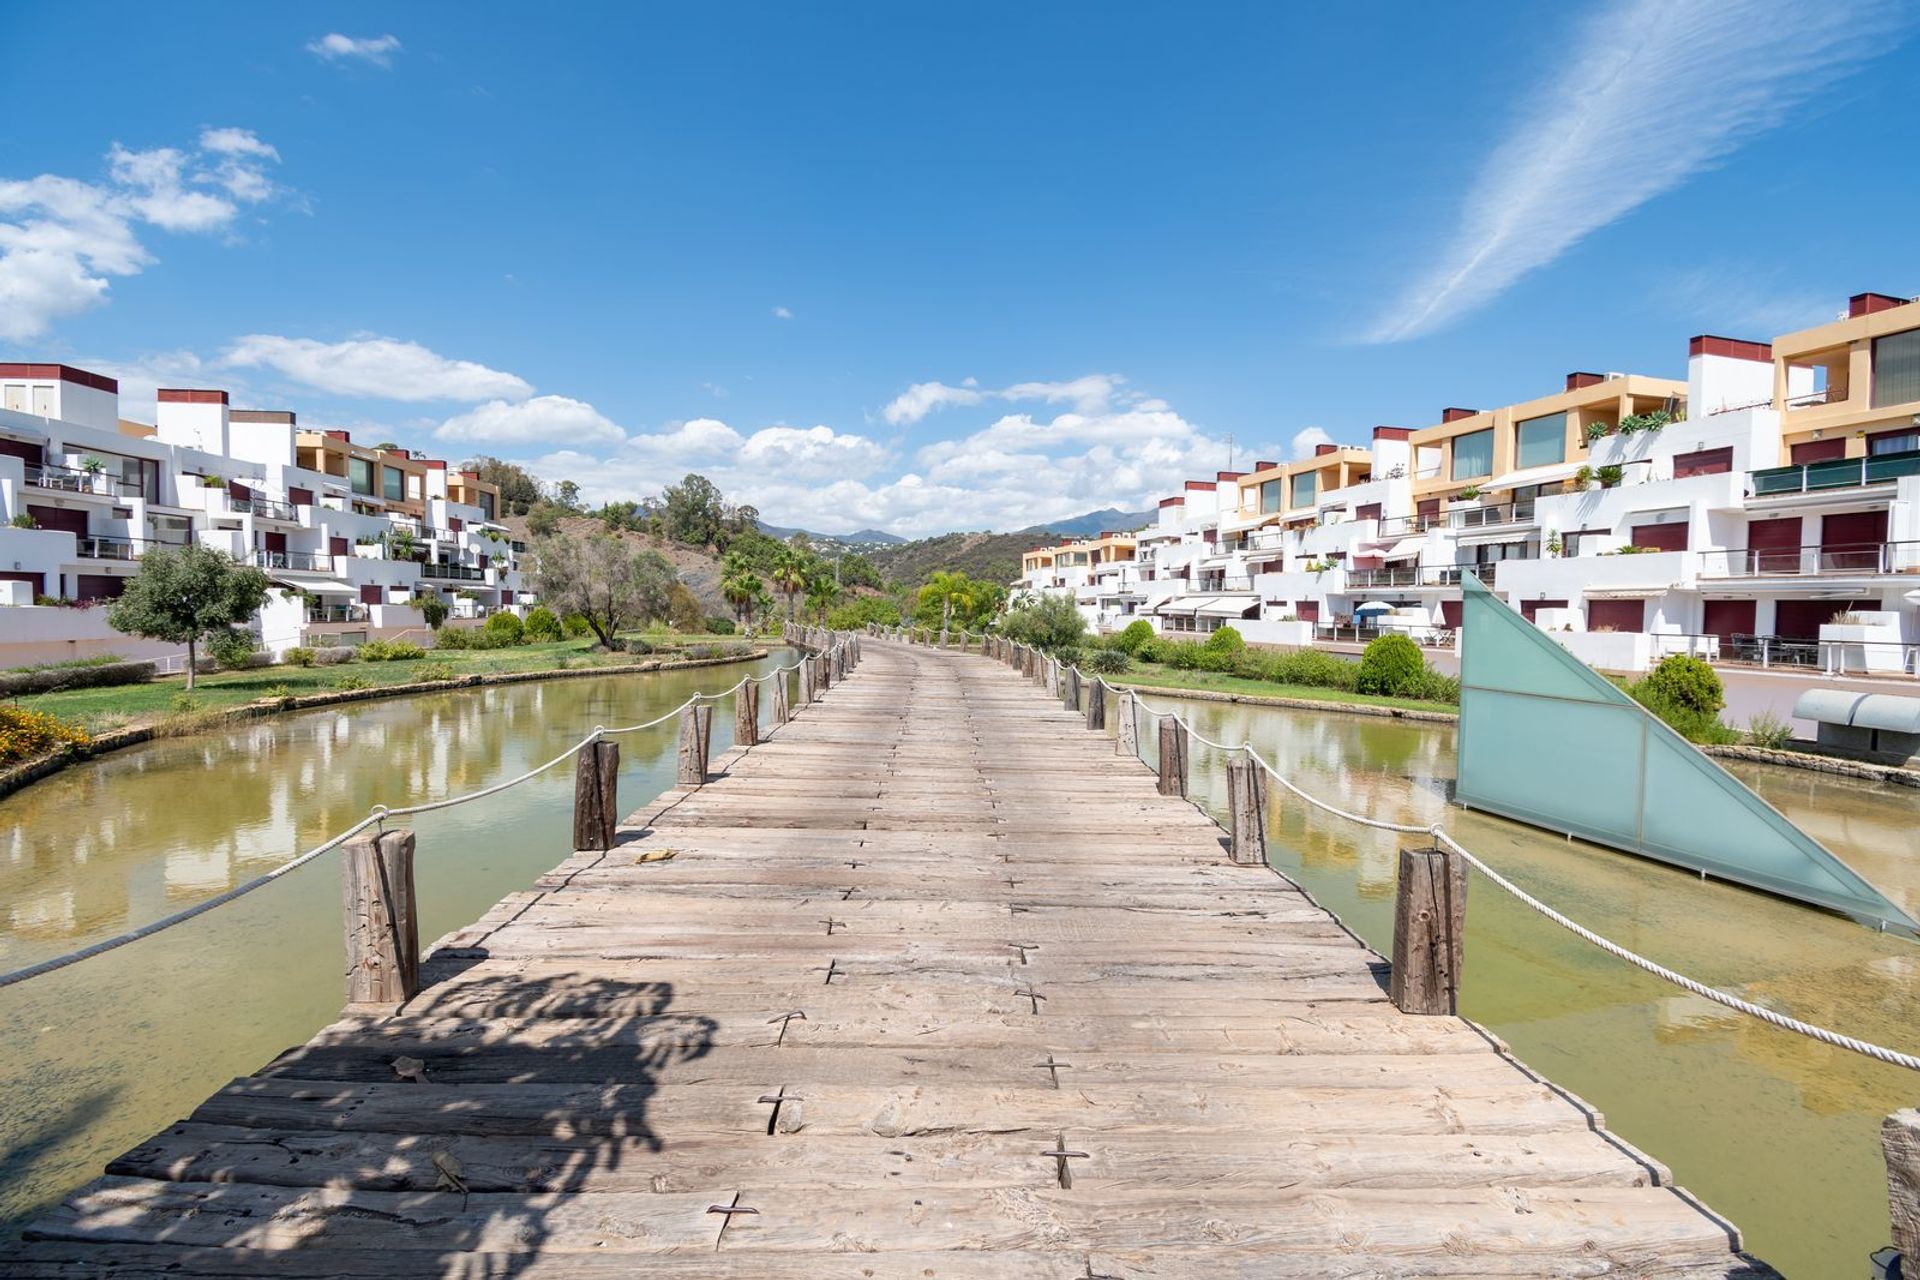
933	985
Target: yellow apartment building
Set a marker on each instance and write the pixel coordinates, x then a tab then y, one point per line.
1866	401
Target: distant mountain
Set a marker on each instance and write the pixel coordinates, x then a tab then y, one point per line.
858	538
1109	519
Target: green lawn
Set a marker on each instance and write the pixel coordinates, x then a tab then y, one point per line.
1153	675
120	706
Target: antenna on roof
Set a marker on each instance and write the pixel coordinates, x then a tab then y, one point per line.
1229	450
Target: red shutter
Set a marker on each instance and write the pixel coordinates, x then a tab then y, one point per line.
1528	608
237	490
483	561
64	519
26	451
1620	615
1852	539
1819	450
455	523
372	593
1801	619
506	596
1427	507
38	580
1367	511
300	497
1707	462
1729	618
1308	611
98	586
1661	537
1773	546
273	541
338	547
1450	612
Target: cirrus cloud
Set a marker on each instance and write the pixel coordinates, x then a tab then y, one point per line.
335	47
1088	394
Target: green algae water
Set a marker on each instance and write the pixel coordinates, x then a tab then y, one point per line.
97	1057
1775	1131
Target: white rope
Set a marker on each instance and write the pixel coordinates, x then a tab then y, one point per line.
378	816
1866	1047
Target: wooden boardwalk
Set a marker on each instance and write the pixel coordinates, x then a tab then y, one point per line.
933	984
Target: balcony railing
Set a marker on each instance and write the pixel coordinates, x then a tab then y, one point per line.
265	508
1399	525
1492	514
1851	559
452	572
1837	473
294	561
76	480
91	548
1416	575
337	613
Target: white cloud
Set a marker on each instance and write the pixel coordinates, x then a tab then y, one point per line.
694	441
812	453
140	378
1657	92
61	239
782	313
334	47
1089	394
372	366
541	420
1306	440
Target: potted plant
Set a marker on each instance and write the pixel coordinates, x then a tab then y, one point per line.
1610	476
1553	544
93	466
1469	493
1583	478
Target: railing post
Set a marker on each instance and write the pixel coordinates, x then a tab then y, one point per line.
746	715
383	922
696	734
1070	689
781	712
596	795
1429	931
1173	757
823	674
1096	706
1900	1144
1246	810
806	680
1127	741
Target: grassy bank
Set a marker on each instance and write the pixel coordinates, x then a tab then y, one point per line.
1155	676
127	706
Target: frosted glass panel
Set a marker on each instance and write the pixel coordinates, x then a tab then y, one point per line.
1547	740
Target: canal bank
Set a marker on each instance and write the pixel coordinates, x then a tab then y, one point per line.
1776	1131
95	1057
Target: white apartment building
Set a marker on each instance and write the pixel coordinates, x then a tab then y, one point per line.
353	538
1765	509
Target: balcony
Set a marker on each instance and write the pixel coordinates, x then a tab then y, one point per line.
1839	473
77	480
1847	560
293	561
1492	514
91	548
337	613
1401	525
452	572
1414	575
265	508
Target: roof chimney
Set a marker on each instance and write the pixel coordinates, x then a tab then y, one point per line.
1575	381
1454	415
1320	450
1865	304
1707	344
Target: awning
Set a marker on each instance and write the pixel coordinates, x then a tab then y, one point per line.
1492	539
321	588
1409	551
1216	562
1625	593
1535	475
1179	604
1229	607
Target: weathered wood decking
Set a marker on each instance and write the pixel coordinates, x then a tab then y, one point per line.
933	985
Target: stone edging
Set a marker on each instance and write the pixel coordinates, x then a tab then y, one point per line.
30	771
1837	765
1302	704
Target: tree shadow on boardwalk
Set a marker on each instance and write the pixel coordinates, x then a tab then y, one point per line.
457	1139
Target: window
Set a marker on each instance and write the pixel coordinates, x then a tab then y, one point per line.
1704	462
1896	368
1541	441
1304	487
1271	499
393	484
486	505
1473	455
360	475
1893	442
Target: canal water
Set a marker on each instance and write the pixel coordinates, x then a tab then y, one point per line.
1775	1131
99	1056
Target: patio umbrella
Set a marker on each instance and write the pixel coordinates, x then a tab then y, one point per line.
1372	606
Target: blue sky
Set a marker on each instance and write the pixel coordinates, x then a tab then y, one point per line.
930	268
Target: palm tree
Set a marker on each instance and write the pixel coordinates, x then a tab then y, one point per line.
821	596
790	576
950	589
741	588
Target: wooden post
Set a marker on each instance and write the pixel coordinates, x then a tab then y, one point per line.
1070	688
1096	706
806	680
1127	741
1900	1143
781	712
746	715
696	733
596	795
1246	811
383	920
1173	757
822	675
1429	932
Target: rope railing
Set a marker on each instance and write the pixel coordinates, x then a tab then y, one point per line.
1029	660
377	818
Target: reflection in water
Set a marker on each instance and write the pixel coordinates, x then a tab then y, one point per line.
1776	1131
97	1057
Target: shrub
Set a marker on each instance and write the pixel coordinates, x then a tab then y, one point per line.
434	671
1769	730
636	644
1433	686
1391	665
1686	682
508	627
1181	655
543	626
185	704
1226	640
575	626
299	656
1107	662
718	626
80	673
352	682
1051	622
1137	635
332	655
281	693
433	610
25	734
233	648
1689	722
1067	657
391	651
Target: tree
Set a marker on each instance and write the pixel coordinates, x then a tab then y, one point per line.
684	611
790	575
518	488
822	594
184	596
741	588
694	512
952	595
543	519
1046	622
566	496
609	583
623	515
433	610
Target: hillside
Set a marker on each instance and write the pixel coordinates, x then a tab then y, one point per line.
1106	520
992	556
